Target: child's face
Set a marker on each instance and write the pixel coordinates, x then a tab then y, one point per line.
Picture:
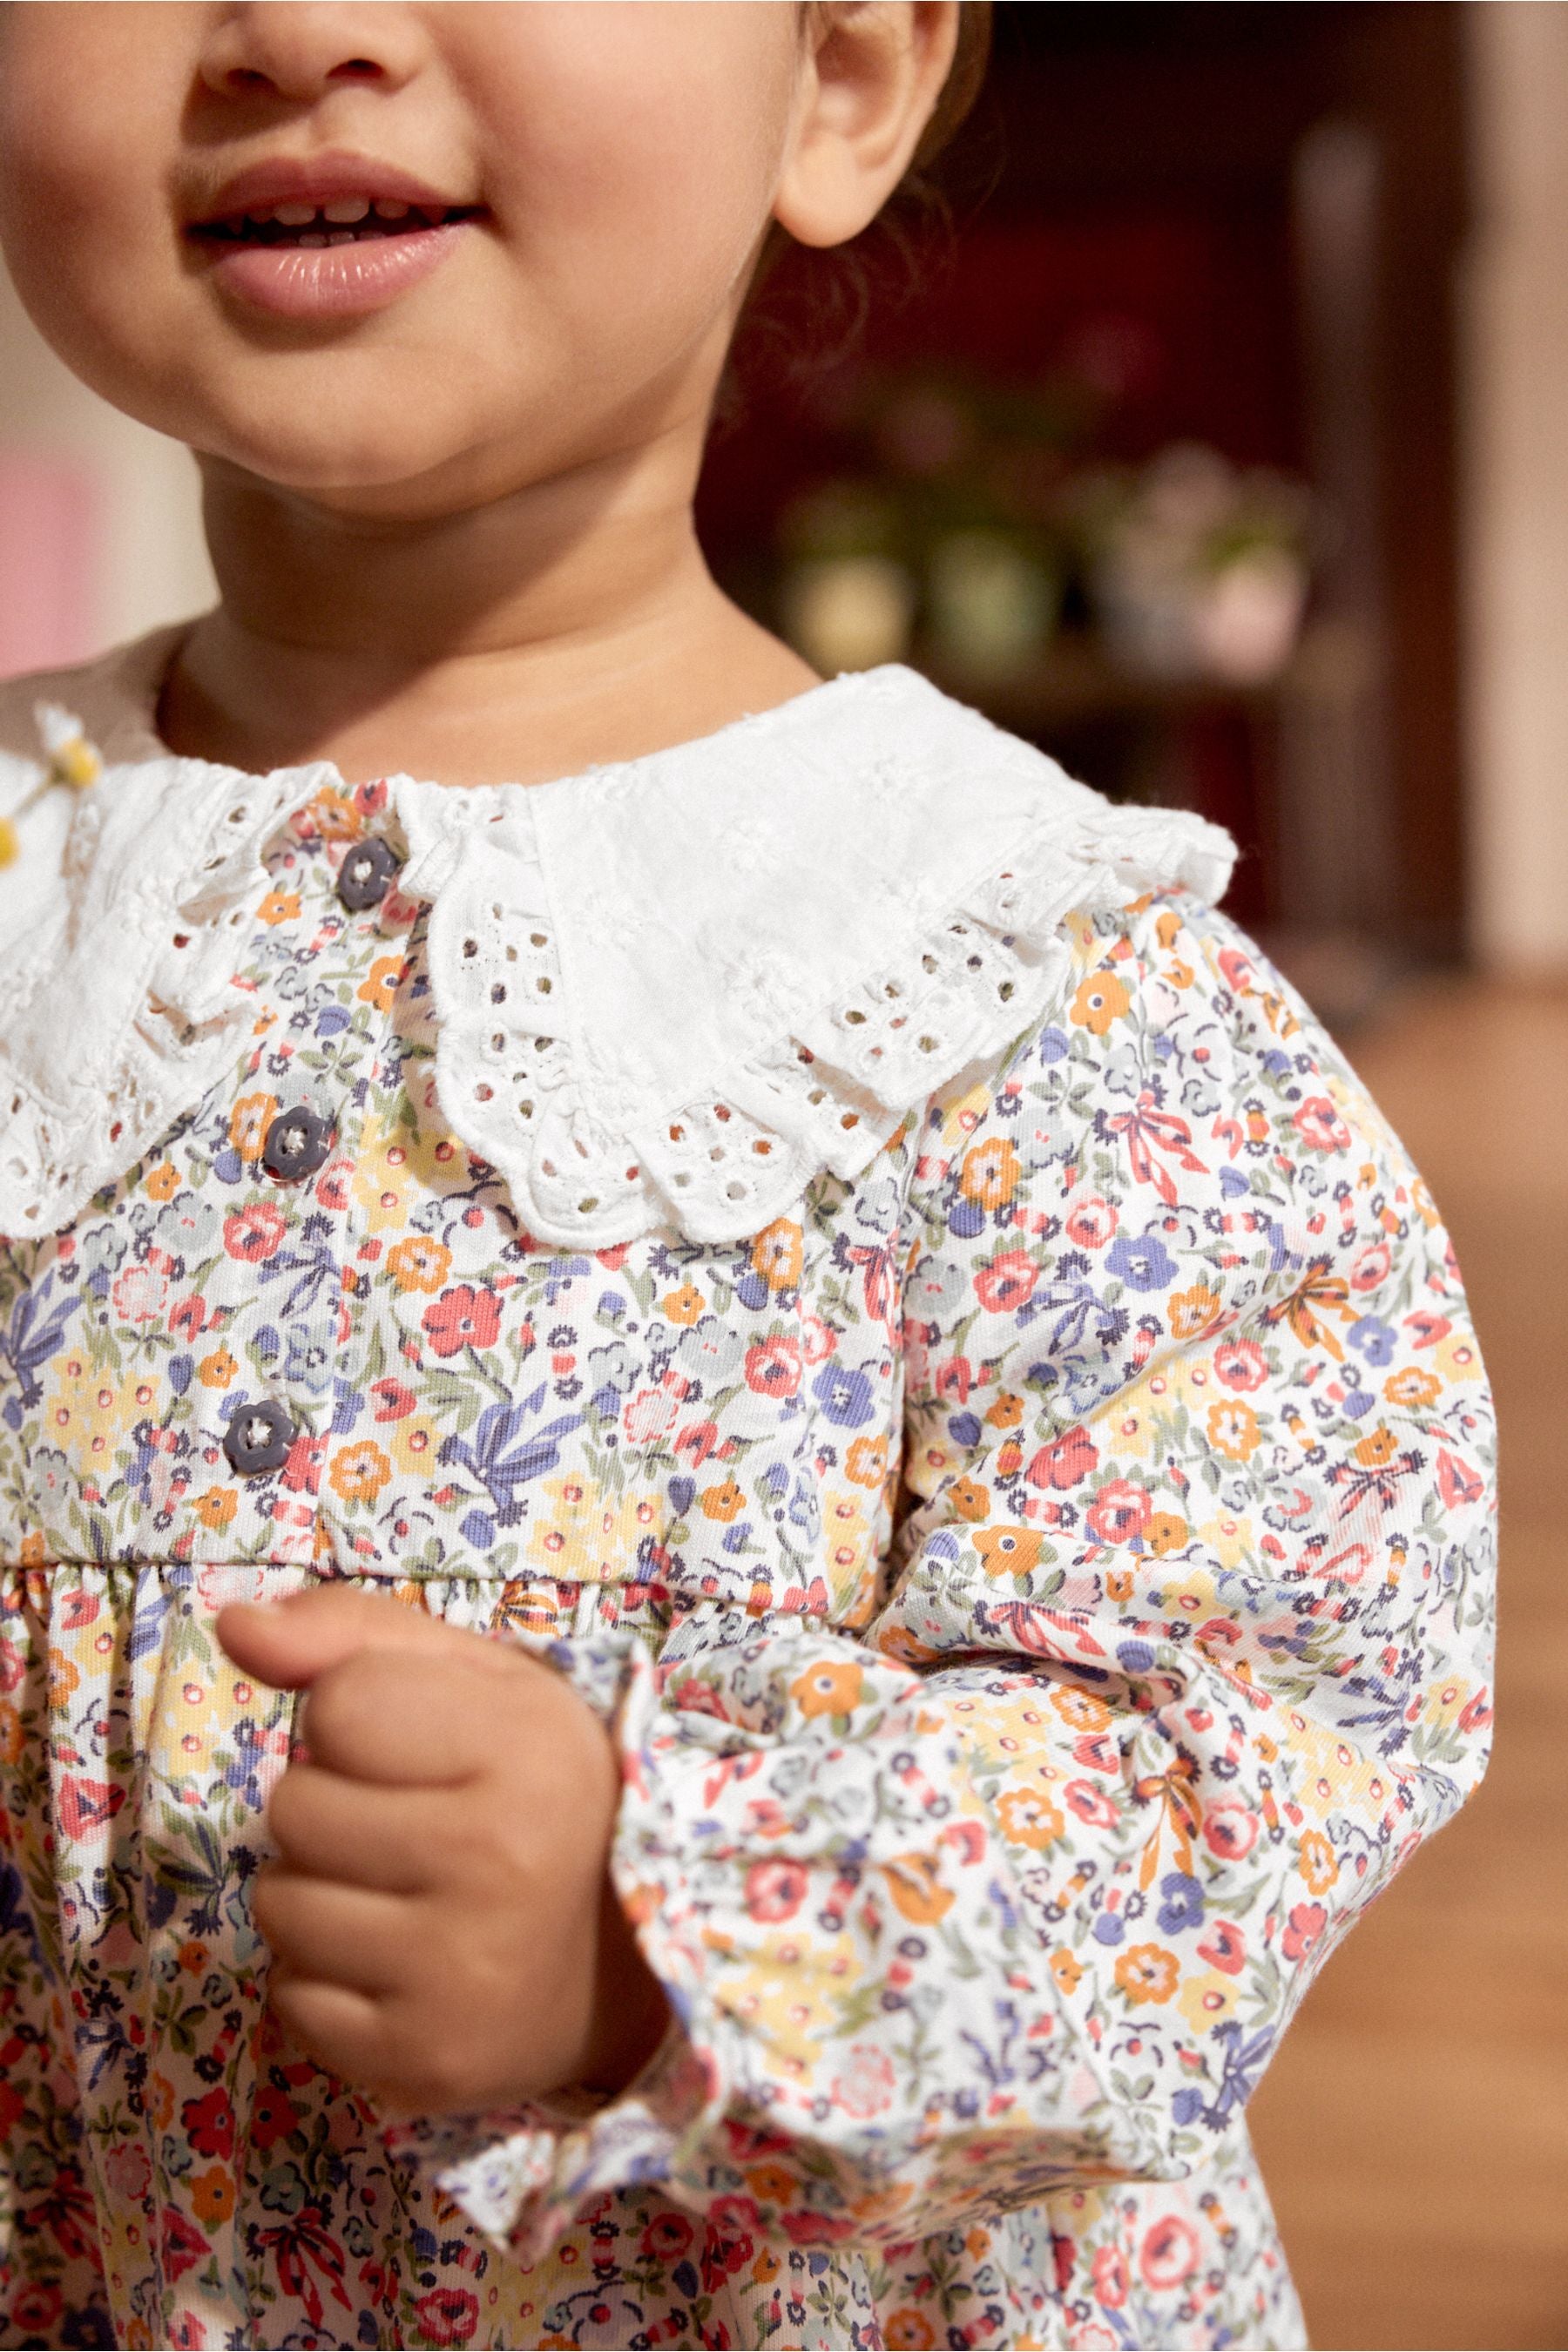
623	157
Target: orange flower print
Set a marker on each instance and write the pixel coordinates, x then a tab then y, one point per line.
419	1264
212	2194
1193	1311
1413	1389
1165	1532
914	1882
867	1461
1100	999
217	1371
34	1550
1234	1431
249	1122
970	1499
1147	1972
360	1472
1375	1451
217	1509
1079	1709
777	1255
278	907
1066	1970
827	1689
13	1736
724	1503
908	2330
773	2184
162	1182
685	1304
379	986
1008	1552
1320	1863
1028	1819
332	816
1006	1413
990	1173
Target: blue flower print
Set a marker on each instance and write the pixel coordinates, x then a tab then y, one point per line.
1375	1339
1183	1905
845	1397
1142	1264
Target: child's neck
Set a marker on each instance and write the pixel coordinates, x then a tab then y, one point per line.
528	636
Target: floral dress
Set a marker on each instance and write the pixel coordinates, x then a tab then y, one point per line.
829	1238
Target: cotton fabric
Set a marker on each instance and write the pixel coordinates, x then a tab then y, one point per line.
1039	1586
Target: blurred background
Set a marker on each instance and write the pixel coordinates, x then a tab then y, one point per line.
1216	438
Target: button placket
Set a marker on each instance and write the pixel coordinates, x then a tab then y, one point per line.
258	1438
367	872
297	1143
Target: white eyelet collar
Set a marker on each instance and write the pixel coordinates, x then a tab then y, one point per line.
669	992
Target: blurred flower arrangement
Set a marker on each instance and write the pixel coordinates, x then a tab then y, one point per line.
968	527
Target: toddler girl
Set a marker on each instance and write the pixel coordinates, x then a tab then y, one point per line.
527	1115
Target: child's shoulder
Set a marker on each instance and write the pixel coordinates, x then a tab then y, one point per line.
108	698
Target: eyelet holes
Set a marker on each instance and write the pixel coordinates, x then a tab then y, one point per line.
470	949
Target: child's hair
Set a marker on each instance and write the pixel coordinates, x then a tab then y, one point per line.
837	292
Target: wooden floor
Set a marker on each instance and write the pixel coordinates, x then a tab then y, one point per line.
1414	2128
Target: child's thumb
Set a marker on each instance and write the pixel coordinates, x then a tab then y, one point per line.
289	1643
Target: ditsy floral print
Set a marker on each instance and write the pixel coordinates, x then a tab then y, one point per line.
1040	1591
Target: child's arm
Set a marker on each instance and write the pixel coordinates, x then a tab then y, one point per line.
1188	1654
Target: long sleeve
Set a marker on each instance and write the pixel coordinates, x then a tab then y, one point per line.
1182	1647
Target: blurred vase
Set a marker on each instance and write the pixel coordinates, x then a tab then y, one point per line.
850	612
990	608
1247	623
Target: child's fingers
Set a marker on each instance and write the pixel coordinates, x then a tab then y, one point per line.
360	1833
289	1642
348	1936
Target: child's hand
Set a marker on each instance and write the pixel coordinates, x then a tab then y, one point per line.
445	1934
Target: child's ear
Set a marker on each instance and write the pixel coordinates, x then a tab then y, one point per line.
870	73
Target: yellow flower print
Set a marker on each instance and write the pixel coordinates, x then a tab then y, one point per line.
1100	999
1008	1552
217	1509
389	1162
1320	1863
217	1371
849	1537
360	1472
212	2194
1193	1311
1411	1390
1147	1972
162	1182
1229	1538
1208	1999
249	1122
419	1264
867	1461
1125	1430
827	1689
778	1253
990	1173
1066	1970
685	1306
1457	1359
278	907
914	1882
1233	1430
1165	1532
724	1503
1028	1819
91	1401
969	1500
379	987
412	1444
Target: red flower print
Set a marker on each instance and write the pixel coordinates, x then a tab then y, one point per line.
666	2239
302	1470
462	1318
86	1804
1320	1125
255	1232
1224	1947
773	1367
276	2115
1110	2279
1092	1222
1307	1923
1169	2252
183	2245
1006	1284
1229	1830
1065	1462
36	2308
208	2124
393	1400
11	2106
775	1890
187	1316
1240	1364
447	2315
1119	1512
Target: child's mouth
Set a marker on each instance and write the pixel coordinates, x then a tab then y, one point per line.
335	259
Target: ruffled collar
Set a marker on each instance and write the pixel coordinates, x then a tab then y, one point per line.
669	992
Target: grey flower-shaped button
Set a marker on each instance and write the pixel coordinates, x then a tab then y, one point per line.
257	1438
366	875
297	1143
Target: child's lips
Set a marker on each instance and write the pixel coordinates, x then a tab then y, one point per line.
334	281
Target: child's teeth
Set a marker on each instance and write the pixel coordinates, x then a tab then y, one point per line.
345	209
308	239
343	236
294	216
391	208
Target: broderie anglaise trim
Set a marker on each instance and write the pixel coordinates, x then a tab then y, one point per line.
720	1164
